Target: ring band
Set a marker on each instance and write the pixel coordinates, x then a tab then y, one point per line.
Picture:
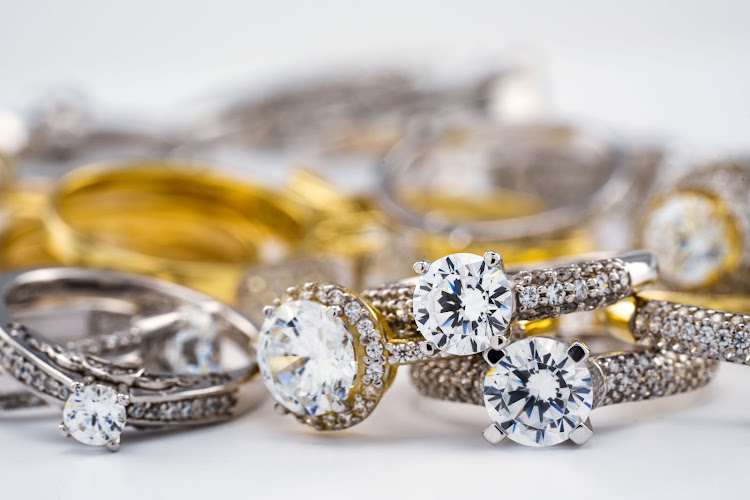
551	416
126	392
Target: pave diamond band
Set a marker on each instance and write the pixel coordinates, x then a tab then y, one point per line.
539	391
101	395
535	294
698	331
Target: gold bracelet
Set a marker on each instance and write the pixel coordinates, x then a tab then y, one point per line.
182	222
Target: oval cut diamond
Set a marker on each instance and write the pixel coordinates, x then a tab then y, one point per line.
306	359
536	393
94	415
460	303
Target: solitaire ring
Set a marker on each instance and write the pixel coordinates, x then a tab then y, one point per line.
105	381
539	391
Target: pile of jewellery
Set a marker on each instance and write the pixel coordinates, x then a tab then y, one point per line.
121	276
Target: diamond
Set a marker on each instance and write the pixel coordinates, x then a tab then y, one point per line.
692	237
374	350
536	394
195	348
528	297
460	303
94	415
705	335
741	339
306	359
556	294
602	283
581	290
353	310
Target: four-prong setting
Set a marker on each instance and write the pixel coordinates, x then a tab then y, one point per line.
95	415
463	301
494	434
422	266
539	373
320	354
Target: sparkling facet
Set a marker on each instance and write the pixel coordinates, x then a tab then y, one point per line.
306	358
94	416
556	294
602	283
460	303
528	297
581	290
536	393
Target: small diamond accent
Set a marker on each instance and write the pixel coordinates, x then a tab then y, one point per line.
556	294
581	290
528	297
602	283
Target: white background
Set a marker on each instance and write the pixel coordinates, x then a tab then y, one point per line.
677	70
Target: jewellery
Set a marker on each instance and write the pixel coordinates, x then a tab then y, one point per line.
558	180
668	321
181	222
171	326
327	356
464	304
701	229
539	391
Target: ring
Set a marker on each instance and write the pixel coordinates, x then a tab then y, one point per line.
180	222
675	322
464	304
105	381
700	230
540	391
557	179
327	355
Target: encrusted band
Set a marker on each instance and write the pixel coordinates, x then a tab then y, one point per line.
698	331
160	324
627	376
537	294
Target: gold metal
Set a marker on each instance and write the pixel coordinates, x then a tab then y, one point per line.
183	222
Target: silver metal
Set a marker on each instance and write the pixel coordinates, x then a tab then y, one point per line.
280	409
62	429
422	266
339	407
489	353
494	435
267	311
584	347
153	398
494	259
497	342
427	348
582	433
333	312
114	445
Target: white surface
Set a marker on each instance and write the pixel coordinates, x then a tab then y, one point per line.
678	69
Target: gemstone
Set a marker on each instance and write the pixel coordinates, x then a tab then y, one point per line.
460	303
581	290
602	283
741	339
528	297
195	348
556	294
705	334
94	415
536	394
374	350
692	237
353	310
306	359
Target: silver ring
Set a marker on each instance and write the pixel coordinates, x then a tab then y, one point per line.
157	354
539	391
591	176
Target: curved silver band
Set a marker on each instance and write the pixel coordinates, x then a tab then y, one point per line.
698	331
605	280
141	317
618	377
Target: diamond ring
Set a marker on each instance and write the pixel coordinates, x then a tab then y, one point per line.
700	230
106	381
327	356
464	304
539	391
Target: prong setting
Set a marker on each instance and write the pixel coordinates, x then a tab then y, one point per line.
427	348
267	311
333	312
422	266
497	342
493	356
582	433
63	430
494	259
578	352
114	445
494	435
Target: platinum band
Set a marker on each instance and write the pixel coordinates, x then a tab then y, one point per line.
606	281
48	369
693	330
622	376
